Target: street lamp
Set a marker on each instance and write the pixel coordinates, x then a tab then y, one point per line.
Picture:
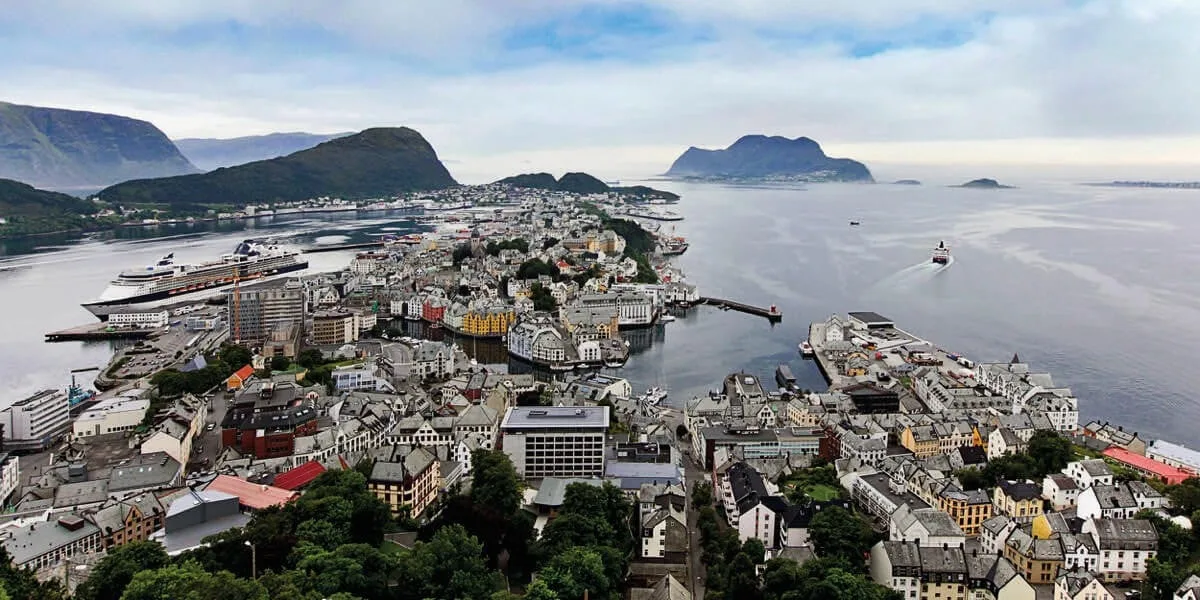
253	560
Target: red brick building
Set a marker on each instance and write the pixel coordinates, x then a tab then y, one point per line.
433	310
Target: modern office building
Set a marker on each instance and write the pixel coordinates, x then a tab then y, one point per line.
33	423
258	308
555	441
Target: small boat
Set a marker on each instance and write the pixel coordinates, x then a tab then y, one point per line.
806	349
855	223
614	364
941	254
654	396
668	318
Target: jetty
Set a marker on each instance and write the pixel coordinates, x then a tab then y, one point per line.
98	331
773	314
360	246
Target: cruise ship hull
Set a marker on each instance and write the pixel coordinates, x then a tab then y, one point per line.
103	308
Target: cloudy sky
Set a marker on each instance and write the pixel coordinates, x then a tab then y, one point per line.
622	87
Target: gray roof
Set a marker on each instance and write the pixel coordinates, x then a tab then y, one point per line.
1096	467
31	541
556	417
932	520
554	489
935	559
191	537
1115	533
84	492
902	554
144	471
412	465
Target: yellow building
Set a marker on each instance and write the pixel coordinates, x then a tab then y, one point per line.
979	438
1038	561
1019	500
921	440
493	322
968	508
411	481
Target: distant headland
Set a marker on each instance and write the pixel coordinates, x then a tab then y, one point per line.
984	184
767	158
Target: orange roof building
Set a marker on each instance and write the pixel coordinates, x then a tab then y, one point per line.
239	378
1147	466
252	496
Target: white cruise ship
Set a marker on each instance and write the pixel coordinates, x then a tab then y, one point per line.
166	281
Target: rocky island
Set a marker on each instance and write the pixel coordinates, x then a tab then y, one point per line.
767	158
906	182
582	183
57	148
374	163
984	184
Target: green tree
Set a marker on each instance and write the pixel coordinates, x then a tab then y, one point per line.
542	299
280	363
234	356
1185	497
108	579
189	582
838	533
575	571
1050	452
321	533
22	584
754	548
495	482
702	494
743	580
538	590
309	358
448	566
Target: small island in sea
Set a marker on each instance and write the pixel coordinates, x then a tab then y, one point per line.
984	184
1183	185
906	182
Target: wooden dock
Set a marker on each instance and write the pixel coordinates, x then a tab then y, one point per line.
773	314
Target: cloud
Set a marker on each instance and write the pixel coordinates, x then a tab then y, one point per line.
540	78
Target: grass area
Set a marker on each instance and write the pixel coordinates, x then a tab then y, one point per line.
391	547
822	493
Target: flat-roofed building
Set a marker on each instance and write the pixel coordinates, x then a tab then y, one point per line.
555	441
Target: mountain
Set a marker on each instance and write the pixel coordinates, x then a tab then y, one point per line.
25	210
373	163
759	157
985	184
209	154
581	183
52	147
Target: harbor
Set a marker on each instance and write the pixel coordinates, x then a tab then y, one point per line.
97	332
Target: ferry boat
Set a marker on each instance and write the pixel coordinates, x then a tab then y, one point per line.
941	254
806	349
166	281
654	396
674	246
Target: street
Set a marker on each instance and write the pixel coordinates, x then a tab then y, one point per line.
692	474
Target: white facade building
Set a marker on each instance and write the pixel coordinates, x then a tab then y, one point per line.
140	320
113	415
35	421
10	475
555	441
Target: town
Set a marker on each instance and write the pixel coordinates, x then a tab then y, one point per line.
343	432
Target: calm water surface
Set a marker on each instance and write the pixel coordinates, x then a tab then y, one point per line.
1097	286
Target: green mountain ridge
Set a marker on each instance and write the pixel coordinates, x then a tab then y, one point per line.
52	147
373	163
25	210
581	183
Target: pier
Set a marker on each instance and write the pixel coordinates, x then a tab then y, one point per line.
360	246
773	314
98	331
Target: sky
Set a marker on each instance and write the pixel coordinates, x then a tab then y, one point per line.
621	88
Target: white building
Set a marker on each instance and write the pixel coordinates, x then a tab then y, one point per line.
1174	455
1060	490
35	421
1125	545
113	415
1087	473
10	475
555	441
664	530
40	545
1121	500
926	526
140	320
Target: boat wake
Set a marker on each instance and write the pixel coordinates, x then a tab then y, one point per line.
911	275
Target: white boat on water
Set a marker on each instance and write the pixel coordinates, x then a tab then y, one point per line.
941	254
654	396
806	349
668	318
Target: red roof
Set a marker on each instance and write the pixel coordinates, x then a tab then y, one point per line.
300	476
243	373
254	496
1167	473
